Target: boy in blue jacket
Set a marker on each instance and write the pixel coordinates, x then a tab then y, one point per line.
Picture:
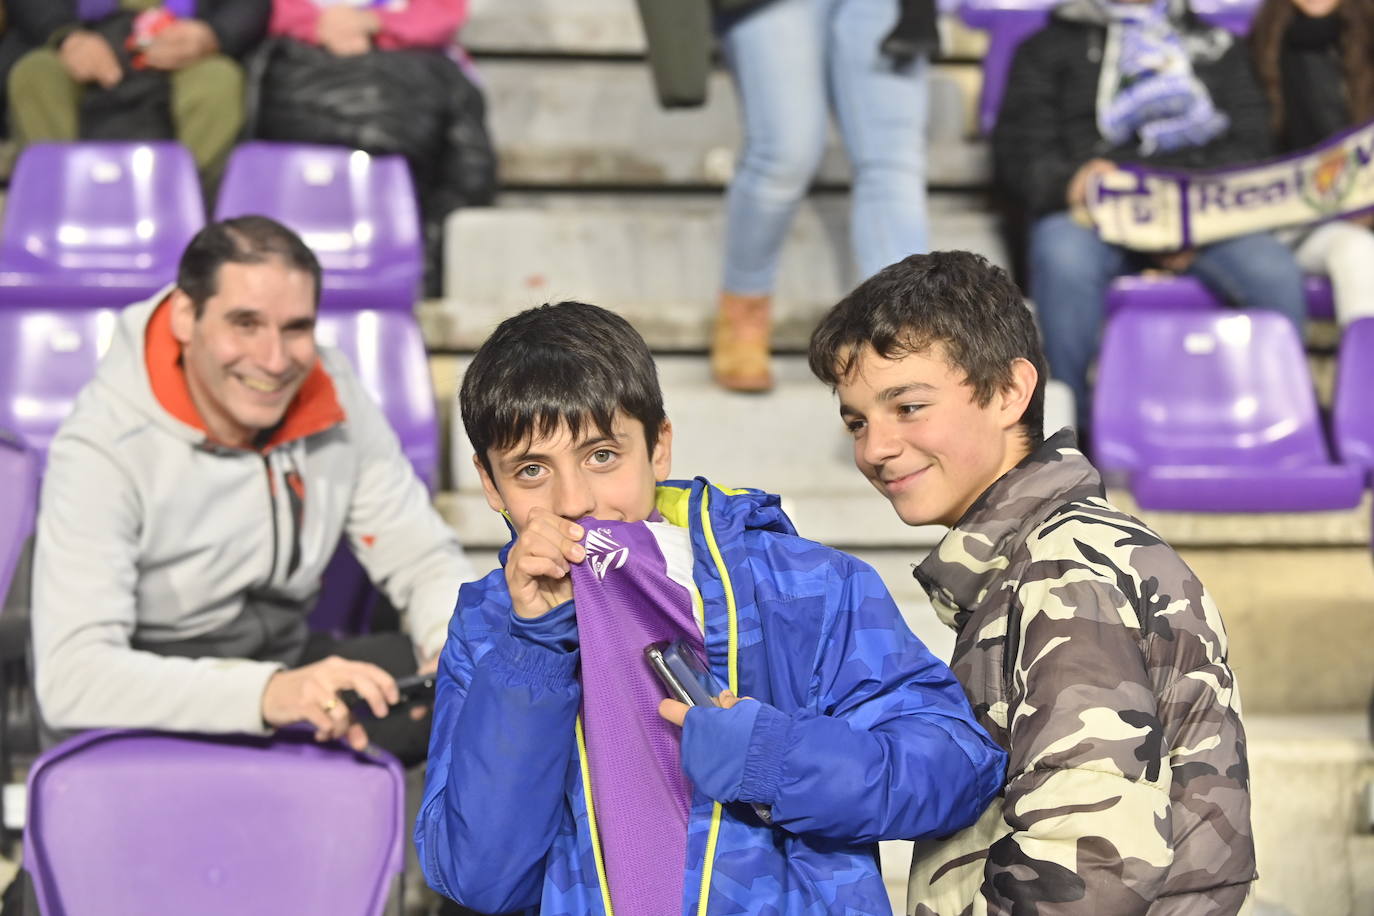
850	731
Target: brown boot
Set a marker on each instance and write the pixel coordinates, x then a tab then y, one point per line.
739	343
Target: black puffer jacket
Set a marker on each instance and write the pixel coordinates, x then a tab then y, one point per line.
1047	127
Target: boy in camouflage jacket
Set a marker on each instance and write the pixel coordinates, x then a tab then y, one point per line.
1087	648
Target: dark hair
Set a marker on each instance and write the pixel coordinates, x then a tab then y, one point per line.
1357	63
954	298
241	240
568	364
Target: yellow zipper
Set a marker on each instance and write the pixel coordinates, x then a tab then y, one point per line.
591	818
732	665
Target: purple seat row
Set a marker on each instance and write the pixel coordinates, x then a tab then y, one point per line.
1212	411
104	224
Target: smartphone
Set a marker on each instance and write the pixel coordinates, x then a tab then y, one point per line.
688	680
413	688
683	674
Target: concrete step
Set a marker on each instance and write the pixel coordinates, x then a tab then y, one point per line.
656	260
1299	623
590	27
569	122
1310	779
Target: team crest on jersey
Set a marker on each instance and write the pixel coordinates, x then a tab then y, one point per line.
603	553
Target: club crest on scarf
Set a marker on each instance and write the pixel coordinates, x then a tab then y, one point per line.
603	553
1330	181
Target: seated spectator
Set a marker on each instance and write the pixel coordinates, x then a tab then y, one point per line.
194	497
849	730
1105	83
1315	62
138	71
379	77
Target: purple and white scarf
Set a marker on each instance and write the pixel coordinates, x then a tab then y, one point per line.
634	588
1147	209
1147	88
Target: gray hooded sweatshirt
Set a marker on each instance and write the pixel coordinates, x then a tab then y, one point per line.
172	575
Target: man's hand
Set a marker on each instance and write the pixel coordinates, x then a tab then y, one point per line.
88	58
538	565
181	44
345	31
311	694
1078	185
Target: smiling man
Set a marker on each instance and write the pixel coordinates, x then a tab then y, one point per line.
1089	651
194	497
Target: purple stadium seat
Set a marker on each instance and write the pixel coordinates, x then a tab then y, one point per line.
47	355
357	212
19	483
151	823
1352	413
1183	292
1214	412
389	354
1008	23
96	224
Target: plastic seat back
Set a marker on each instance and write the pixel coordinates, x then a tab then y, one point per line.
1219	409
1352	411
19	483
1008	23
47	355
153	823
356	212
97	224
388	353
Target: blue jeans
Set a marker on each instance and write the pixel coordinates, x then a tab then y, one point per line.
1071	268
792	60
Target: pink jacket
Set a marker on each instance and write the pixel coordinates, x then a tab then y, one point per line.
418	24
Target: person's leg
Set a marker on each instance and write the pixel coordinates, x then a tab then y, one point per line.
1253	271
207	112
775	55
881	109
1070	269
44	99
1344	252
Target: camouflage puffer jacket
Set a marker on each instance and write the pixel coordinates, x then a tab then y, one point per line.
1094	656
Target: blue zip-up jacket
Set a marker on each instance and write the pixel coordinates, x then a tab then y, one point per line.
867	737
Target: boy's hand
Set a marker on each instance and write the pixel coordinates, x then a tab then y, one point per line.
538	564
715	743
676	712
